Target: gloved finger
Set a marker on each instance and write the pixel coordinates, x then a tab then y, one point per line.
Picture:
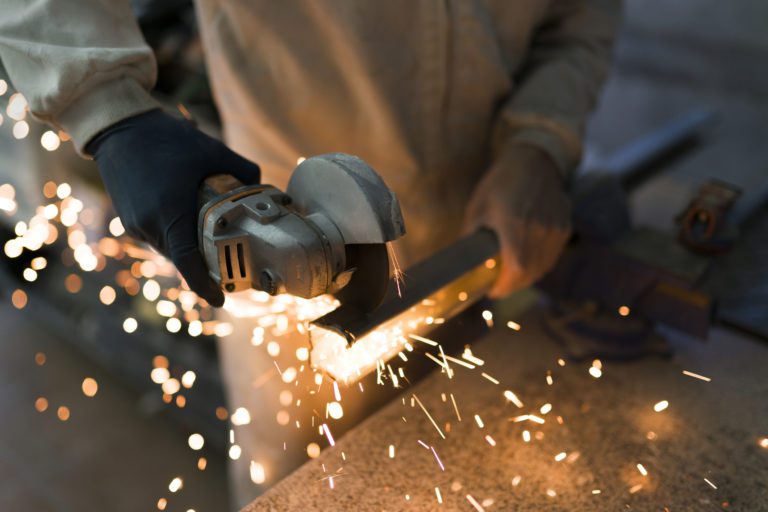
181	246
241	168
195	272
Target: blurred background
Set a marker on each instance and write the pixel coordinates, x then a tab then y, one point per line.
109	383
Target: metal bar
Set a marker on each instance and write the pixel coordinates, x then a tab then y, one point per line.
420	281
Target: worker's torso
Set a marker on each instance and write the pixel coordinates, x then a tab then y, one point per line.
410	86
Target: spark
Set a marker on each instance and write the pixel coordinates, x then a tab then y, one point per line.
513	325
202	463
489	378
438	495
241	416
439	462
491	441
188	379
642	469
458	416
551	493
176	484
546	408
469	356
235	451
313	450
19	299
763	442
445	361
660	406
428	415
596	491
328	435
196	442
423	339
130	325
460	362
436	360
90	387
391	451
488	317
41	404
595	372
397	273
335	410
422	443
696	376
257	473
529	417
474	503
479	421
516	480
560	456
526	436
63	413
635	488
710	483
512	397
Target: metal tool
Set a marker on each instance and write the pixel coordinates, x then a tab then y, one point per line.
326	233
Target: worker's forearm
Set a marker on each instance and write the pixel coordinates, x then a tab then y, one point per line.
561	79
82	64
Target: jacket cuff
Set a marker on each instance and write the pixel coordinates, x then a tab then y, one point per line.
102	107
561	143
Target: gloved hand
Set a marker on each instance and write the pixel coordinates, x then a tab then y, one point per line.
152	166
523	199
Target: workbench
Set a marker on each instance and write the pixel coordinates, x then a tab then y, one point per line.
702	452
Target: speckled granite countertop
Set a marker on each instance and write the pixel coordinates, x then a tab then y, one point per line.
710	430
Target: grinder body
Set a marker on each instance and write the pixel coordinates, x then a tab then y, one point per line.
325	234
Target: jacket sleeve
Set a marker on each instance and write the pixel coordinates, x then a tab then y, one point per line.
559	82
82	65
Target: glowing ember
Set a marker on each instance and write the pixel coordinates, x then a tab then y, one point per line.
241	416
257	472
130	325
41	404
509	395
313	450
696	376
474	503
90	387
63	413
196	442
176	484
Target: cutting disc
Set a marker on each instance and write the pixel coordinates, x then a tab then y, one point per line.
369	282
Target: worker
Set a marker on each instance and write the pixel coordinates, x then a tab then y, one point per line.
473	112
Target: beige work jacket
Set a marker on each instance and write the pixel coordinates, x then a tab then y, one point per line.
426	91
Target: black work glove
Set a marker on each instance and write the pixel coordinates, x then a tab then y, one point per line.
152	165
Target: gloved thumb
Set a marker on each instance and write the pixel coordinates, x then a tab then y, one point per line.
241	168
